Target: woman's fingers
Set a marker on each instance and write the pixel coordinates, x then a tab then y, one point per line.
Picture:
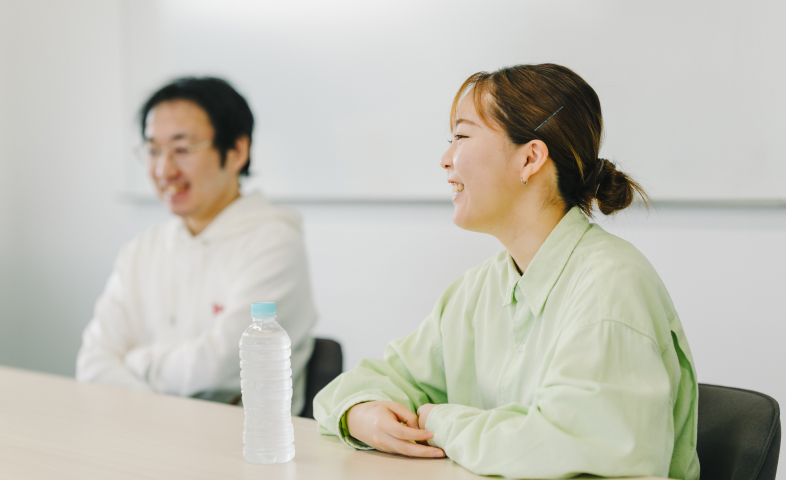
378	424
403	447
403	414
408	433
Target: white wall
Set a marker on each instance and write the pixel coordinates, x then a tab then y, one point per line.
59	220
6	215
377	269
668	73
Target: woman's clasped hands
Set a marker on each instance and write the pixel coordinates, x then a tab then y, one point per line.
391	427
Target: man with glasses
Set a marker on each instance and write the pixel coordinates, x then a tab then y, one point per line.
171	316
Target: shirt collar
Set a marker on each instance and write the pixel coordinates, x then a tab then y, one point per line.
230	214
512	278
548	264
225	218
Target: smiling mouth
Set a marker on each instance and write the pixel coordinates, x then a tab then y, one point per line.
173	190
456	187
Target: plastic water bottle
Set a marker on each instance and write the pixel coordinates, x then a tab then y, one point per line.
266	385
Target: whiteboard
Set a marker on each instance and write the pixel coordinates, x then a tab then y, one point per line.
352	97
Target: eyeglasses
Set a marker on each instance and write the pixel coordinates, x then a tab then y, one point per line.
182	155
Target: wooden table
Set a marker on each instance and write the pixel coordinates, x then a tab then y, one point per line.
54	427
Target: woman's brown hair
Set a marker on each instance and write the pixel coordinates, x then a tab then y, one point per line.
523	100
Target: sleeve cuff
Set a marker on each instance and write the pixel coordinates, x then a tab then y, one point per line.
440	416
342	427
138	360
343	430
432	425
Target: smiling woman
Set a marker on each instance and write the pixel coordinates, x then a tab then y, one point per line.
512	102
561	355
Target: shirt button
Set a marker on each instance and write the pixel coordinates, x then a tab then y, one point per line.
521	347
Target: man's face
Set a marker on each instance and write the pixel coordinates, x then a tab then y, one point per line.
184	166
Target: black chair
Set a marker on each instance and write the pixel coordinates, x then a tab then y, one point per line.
739	434
326	363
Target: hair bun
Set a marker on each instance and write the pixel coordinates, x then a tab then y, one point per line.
614	190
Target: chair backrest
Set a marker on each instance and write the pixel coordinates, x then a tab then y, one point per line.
739	434
326	363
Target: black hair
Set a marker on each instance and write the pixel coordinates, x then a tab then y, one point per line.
227	110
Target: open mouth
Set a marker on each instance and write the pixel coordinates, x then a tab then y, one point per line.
173	191
456	187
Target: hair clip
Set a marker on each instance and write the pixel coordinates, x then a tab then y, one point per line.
544	122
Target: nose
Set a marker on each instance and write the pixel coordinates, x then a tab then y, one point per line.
446	161
164	165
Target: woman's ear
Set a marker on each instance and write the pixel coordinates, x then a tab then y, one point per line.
238	155
531	158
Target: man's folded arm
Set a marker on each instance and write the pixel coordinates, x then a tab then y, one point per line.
109	336
276	273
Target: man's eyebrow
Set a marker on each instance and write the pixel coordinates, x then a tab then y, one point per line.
177	136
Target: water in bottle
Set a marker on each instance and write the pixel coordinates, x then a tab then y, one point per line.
266	383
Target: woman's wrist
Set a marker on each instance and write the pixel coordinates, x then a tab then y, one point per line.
346	434
423	413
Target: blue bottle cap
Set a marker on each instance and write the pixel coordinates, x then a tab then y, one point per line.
263	310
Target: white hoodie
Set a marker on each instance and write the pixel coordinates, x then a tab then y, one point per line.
172	313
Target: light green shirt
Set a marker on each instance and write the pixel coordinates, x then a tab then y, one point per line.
578	366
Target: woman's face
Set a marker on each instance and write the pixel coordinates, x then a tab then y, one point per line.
482	171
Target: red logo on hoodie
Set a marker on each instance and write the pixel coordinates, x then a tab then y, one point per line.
217	308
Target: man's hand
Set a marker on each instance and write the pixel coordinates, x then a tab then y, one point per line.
379	425
423	412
